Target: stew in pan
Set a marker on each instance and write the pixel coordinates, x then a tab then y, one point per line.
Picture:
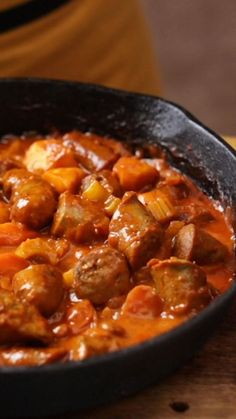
101	247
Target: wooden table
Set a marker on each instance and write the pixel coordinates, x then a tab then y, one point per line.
205	388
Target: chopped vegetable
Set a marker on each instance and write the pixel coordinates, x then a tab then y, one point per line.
142	301
64	179
80	316
135	174
159	204
192	243
11	263
111	205
48	154
12	234
95	192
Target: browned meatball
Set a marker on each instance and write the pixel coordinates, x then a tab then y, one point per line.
134	231
101	274
194	244
41	285
181	284
34	203
12	179
21	322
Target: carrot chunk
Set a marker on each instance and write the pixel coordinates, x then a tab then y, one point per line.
142	301
135	174
10	264
64	179
12	234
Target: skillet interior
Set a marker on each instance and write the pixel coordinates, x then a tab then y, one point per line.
43	105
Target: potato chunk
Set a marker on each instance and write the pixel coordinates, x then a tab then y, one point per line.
101	275
20	322
42	249
134	231
142	301
47	154
135	174
194	244
181	285
79	219
40	285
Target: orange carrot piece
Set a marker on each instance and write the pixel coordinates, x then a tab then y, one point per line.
142	301
135	174
10	264
12	234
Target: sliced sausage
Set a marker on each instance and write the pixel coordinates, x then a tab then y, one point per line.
194	244
79	219
181	285
20	322
40	285
134	231
101	275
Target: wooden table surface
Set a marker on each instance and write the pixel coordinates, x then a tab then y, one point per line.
204	388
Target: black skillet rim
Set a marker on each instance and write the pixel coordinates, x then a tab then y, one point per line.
183	328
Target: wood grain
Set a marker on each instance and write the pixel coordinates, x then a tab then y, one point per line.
205	388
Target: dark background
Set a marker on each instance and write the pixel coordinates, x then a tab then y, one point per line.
195	41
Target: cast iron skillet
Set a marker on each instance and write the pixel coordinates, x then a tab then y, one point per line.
42	105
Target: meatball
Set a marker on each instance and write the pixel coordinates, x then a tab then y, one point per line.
194	244
134	231
20	322
41	285
12	179
101	275
33	203
181	285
